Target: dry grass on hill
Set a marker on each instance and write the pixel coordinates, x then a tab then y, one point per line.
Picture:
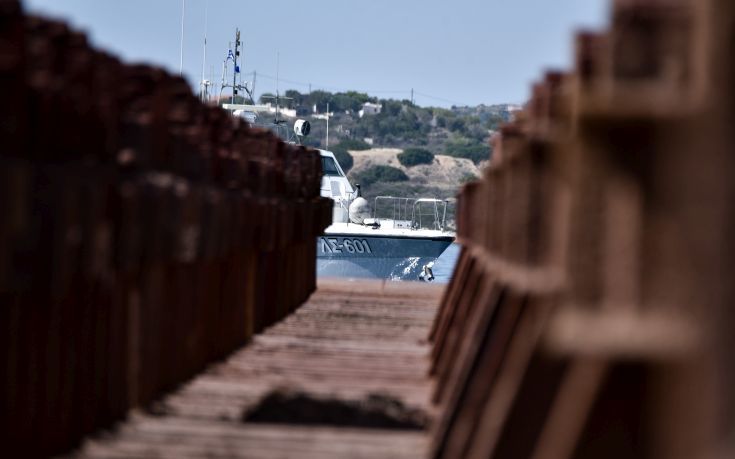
445	172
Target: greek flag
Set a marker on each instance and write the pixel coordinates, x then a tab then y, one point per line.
230	55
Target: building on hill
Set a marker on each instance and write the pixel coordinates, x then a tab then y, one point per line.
369	108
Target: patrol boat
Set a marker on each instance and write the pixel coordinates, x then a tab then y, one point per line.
398	239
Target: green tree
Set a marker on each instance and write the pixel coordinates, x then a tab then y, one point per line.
320	99
361	97
391	107
415	156
466	178
463	147
344	158
295	98
354	144
266	97
376	174
350	100
458	125
495	121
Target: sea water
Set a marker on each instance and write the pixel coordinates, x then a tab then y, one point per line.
444	265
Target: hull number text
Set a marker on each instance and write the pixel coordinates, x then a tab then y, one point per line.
343	245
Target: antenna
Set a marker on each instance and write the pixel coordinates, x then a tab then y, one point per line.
235	71
236	68
278	69
205	83
278	97
181	54
211	75
223	84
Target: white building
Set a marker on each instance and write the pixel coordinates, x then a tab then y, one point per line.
369	108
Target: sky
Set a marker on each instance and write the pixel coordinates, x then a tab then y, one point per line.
458	52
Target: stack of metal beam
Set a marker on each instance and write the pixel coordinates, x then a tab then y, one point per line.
590	312
143	234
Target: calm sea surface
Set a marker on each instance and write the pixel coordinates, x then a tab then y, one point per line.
444	266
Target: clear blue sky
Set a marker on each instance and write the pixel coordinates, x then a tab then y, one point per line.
459	51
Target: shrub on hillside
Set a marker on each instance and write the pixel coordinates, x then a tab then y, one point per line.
376	174
344	158
467	178
415	156
475	152
354	144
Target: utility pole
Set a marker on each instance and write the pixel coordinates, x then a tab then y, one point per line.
278	74
255	76
236	69
327	147
412	96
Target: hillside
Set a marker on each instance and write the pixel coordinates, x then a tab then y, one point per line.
440	179
444	173
367	134
462	132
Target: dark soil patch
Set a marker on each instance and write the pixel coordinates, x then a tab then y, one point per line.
375	411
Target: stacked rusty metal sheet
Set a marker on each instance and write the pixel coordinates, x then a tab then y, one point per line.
142	233
591	310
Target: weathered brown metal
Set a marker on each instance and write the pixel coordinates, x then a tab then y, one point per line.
605	220
349	344
134	222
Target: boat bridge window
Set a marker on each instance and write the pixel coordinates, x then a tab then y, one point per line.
329	166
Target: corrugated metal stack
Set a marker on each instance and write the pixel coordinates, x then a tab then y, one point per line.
143	234
590	314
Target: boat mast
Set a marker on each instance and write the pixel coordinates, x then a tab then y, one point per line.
235	71
235	68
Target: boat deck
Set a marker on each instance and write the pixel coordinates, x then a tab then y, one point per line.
344	376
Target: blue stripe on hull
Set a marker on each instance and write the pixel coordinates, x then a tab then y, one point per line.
396	258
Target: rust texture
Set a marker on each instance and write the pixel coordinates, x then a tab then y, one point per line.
143	234
344	376
590	313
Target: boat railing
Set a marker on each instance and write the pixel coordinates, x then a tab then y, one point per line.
422	213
